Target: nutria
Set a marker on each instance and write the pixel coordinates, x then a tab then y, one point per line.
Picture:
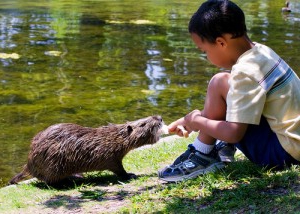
66	149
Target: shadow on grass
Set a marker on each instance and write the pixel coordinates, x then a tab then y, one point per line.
101	178
241	187
102	188
251	190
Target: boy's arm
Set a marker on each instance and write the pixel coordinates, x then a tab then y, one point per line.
227	131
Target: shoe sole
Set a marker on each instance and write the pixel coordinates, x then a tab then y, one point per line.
226	159
211	168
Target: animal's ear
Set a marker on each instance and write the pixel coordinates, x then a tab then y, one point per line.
129	129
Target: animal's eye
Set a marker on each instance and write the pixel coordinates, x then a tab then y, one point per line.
143	124
129	129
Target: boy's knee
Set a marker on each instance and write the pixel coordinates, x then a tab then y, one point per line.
220	81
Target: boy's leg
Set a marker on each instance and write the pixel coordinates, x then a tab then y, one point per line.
261	146
202	157
215	102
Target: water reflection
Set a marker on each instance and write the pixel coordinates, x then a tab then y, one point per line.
155	71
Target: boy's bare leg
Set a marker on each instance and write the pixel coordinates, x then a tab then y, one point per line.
215	102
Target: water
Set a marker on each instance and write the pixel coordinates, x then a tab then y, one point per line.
94	62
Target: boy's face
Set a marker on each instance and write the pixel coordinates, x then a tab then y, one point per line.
215	52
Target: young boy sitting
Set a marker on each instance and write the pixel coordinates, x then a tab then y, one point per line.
255	107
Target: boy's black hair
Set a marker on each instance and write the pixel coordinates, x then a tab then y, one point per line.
217	17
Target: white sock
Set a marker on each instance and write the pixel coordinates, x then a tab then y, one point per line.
202	147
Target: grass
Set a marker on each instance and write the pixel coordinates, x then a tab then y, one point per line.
241	187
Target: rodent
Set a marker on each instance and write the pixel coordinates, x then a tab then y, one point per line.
66	149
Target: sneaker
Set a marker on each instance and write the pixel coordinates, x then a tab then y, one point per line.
191	164
226	151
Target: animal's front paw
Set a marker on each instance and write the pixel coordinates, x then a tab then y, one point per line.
129	176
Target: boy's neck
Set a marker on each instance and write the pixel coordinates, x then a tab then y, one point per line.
238	46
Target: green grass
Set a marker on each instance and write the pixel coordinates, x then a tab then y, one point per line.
241	187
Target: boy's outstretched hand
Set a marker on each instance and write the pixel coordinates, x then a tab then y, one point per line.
177	127
184	126
183	131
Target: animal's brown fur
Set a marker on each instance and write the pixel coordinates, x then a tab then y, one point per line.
65	149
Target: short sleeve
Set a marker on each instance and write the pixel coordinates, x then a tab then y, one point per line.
245	99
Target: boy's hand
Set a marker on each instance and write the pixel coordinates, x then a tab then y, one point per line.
173	127
184	126
178	128
183	131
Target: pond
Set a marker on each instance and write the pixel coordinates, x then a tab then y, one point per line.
99	61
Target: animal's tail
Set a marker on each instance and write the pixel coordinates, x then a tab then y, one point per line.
20	176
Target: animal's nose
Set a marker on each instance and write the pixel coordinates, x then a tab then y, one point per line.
159	118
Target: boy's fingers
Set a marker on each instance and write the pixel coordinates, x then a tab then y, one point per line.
179	130
183	131
172	127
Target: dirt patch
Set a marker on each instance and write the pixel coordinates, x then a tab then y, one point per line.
99	198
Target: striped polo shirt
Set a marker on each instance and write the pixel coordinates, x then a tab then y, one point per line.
262	83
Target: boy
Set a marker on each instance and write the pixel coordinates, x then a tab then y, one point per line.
255	107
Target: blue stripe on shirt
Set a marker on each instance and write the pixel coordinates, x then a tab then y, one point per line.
276	77
285	79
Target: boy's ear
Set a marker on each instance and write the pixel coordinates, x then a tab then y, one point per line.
221	41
